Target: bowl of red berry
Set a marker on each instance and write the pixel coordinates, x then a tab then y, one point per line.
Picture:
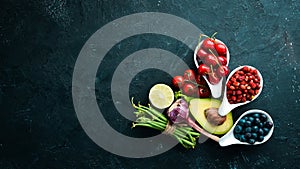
244	84
211	58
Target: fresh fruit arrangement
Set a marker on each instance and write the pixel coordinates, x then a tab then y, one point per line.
212	59
193	99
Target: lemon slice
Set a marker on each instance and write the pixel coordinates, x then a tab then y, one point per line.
161	96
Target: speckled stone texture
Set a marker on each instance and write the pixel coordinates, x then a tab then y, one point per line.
39	44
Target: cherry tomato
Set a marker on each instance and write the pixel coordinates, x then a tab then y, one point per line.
213	78
189	89
211	60
201	54
189	75
222	71
208	44
222	60
203	69
221	49
178	81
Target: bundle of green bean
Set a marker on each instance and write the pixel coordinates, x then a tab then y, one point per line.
149	117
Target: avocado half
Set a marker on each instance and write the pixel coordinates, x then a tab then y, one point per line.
197	108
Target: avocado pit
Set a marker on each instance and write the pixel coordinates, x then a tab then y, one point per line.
213	117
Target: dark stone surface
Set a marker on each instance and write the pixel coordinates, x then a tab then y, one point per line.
39	44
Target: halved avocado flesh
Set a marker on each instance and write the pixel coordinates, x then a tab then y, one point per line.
197	108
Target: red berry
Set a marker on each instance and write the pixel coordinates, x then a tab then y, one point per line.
245	69
221	49
211	60
213	78
222	71
222	60
204	92
200	80
203	69
208	44
201	54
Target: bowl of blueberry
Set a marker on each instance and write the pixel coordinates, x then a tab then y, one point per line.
252	128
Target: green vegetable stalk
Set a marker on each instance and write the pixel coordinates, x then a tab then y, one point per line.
149	117
180	95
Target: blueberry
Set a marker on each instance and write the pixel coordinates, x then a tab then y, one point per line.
237	136
260	132
266	131
254	129
254	135
263	118
251	141
245	118
248	130
242	122
260	138
260	125
238	129
256	121
248	135
251	119
268	124
248	124
242	138
256	115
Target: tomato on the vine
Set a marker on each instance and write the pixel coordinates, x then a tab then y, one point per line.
189	75
178	81
189	89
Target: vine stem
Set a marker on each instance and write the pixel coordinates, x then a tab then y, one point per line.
213	35
196	84
216	58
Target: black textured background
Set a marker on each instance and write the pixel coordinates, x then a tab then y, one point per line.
39	44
